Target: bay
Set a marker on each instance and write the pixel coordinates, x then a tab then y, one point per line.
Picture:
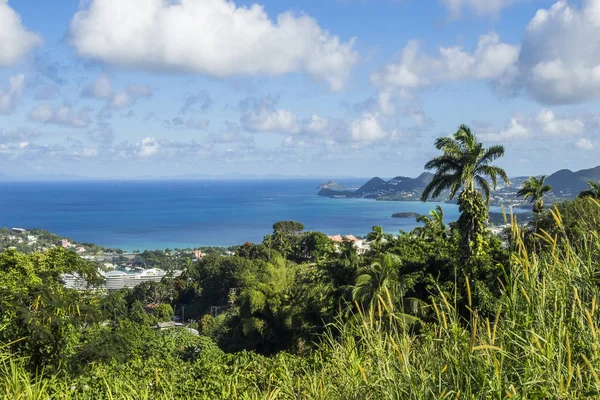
178	214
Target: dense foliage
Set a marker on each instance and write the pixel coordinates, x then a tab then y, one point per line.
301	316
421	327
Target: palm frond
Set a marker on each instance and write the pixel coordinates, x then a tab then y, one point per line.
484	186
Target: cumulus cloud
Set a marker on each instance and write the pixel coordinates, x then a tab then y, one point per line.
63	116
212	37
316	125
367	129
557	62
514	131
9	96
560	61
543	125
490	60
147	147
262	115
585	144
15	40
268	119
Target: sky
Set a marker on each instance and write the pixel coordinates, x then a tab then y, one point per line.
183	88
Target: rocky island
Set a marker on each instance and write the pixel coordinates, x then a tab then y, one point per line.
406	214
332	185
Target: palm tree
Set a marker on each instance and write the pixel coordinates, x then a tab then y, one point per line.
375	236
466	164
268	241
373	280
593	191
533	190
434	224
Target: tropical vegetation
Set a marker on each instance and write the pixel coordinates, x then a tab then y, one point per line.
301	316
533	190
593	191
466	164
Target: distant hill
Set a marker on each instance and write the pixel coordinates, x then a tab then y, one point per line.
378	188
565	183
591	174
569	183
425	177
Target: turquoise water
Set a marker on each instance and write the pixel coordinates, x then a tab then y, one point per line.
178	214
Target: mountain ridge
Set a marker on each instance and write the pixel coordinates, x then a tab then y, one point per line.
565	184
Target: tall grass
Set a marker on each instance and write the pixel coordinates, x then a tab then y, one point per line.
542	342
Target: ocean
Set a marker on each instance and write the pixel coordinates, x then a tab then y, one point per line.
178	214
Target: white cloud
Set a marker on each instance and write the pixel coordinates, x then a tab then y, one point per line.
491	60
560	61
553	126
585	144
514	131
15	39
101	88
543	125
10	96
212	37
268	119
316	125
480	7
409	72
147	147
367	129
63	116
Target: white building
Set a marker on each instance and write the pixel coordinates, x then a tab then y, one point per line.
116	280
361	245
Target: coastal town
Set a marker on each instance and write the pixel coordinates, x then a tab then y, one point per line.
120	269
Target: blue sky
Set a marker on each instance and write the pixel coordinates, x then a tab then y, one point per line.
156	88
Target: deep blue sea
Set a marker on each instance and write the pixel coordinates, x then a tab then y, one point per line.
178	214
